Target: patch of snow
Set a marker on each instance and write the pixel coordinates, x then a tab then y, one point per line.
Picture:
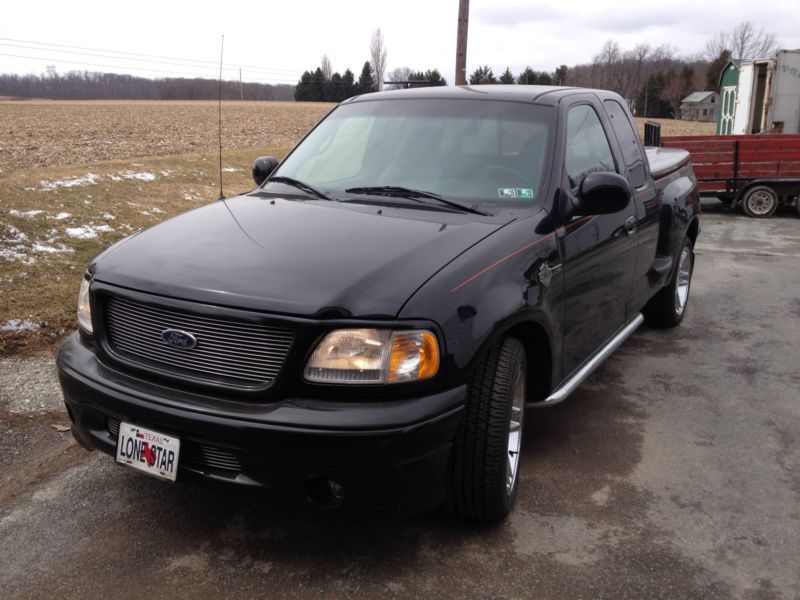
28	213
61	248
230	169
61	216
87	232
166	172
14	256
88	179
108	216
11	235
19	325
152	211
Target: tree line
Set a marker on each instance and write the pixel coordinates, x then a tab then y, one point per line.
87	85
320	85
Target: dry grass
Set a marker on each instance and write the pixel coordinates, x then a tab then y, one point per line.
40	133
672	127
109	169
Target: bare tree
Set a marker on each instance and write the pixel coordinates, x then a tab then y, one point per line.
743	42
325	65
400	74
377	54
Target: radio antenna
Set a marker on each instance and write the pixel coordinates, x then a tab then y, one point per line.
219	107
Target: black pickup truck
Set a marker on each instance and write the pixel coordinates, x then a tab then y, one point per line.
367	326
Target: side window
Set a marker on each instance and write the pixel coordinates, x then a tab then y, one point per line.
629	143
588	149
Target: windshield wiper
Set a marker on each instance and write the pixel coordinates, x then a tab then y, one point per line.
404	192
300	185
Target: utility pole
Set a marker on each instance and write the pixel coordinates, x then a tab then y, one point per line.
461	42
241	89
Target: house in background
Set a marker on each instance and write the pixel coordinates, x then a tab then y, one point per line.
761	95
700	106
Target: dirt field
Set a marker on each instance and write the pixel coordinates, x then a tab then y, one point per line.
77	176
45	134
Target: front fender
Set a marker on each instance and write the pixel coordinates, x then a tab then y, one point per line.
492	288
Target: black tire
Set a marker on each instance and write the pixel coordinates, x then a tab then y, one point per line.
477	475
760	202
665	308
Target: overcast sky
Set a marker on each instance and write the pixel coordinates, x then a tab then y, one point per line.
276	41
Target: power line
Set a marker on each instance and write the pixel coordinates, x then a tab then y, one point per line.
129	68
138	60
110	51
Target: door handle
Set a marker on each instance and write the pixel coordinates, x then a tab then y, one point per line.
630	225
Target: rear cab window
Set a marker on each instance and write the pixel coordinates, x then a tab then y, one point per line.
629	143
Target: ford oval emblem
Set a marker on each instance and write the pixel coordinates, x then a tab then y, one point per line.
178	339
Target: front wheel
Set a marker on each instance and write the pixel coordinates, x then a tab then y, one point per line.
483	472
760	201
668	306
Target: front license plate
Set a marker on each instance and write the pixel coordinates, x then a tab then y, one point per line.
149	451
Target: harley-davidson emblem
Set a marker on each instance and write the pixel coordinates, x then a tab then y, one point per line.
178	339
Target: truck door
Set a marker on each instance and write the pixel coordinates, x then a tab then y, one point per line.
598	252
645	200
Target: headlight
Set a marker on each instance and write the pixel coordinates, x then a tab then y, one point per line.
374	356
84	307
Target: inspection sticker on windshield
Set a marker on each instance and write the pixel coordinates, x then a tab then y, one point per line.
515	192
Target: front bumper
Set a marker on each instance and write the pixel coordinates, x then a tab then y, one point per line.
384	454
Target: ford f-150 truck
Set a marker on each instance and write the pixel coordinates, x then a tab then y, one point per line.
366	328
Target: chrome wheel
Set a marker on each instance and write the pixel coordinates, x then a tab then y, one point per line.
684	280
515	428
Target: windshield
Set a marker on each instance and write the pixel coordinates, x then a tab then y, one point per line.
477	151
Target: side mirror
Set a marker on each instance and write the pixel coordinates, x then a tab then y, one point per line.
263	167
602	193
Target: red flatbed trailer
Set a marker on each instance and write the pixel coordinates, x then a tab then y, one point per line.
758	172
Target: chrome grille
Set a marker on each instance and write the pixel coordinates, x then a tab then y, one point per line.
195	453
229	351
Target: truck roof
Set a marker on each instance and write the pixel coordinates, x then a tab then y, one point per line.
541	94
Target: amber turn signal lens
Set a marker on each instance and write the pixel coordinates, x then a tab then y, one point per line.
414	356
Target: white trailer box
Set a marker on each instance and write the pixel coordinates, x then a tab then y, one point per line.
783	113
768	95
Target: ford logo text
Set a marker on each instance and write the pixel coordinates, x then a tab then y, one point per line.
178	339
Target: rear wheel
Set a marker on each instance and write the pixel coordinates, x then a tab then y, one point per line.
667	307
760	201
483	473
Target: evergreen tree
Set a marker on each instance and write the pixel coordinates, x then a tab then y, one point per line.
319	85
336	88
434	78
348	85
714	71
650	101
304	92
366	83
482	76
527	77
507	78
561	75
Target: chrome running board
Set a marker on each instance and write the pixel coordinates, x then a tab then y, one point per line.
579	376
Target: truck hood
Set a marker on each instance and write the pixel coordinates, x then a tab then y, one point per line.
294	257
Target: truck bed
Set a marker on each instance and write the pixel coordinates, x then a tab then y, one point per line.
664	161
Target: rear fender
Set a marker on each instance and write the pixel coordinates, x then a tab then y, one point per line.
680	206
